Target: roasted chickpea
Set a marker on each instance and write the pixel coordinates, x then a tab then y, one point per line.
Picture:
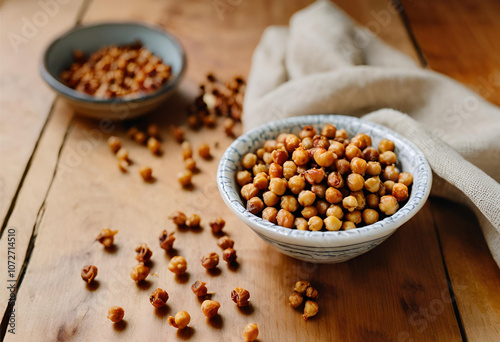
204	151
291	142
355	182
154	145
249	160
210	260
261	181
322	206
193	221
314	176
300	156
217	224
249	191
337	148
332	223
251	332
185	178
278	186
300	223
122	154
361	140
341	135
289	169
315	223
146	173
210	308
370	216
268	157
258	168
187	150
350	203
115	144
329	131
307	143
306	198
323	157
180	321
400	191
229	255
370	154
388	185
260	153
275	171
405	178
296	184
270	145
333	195
373	168
388	205
308	212
295	300
158	298
354	216
360	198
255	205
270	214
140	138
177	265
387	158
335	180
270	198
385	145
225	242
319	190
131	132
307	131
289	203
190	164
115	314
352	151
285	218
372	201
335	210
279	156
372	184
346	225
139	272
358	165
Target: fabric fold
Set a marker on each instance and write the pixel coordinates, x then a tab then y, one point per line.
320	65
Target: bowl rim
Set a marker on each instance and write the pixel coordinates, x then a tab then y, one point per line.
322	239
63	89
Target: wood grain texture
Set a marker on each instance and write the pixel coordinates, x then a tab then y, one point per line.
32	195
384	295
25	101
473	272
460	41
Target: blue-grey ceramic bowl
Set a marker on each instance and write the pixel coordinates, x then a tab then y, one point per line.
58	56
324	246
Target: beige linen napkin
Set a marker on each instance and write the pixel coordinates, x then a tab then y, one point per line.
323	64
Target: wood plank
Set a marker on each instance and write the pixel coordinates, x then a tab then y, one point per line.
360	298
474	274
461	42
468	31
25	101
32	195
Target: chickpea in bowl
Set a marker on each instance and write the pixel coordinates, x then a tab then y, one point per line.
324	188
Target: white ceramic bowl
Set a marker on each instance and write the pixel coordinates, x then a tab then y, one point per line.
324	246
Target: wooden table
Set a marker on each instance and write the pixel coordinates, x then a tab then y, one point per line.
433	280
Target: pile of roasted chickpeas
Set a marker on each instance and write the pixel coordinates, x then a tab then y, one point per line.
323	180
116	71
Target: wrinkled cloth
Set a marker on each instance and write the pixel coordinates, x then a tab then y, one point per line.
324	64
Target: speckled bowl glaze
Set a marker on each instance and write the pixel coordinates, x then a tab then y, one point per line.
324	246
59	55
